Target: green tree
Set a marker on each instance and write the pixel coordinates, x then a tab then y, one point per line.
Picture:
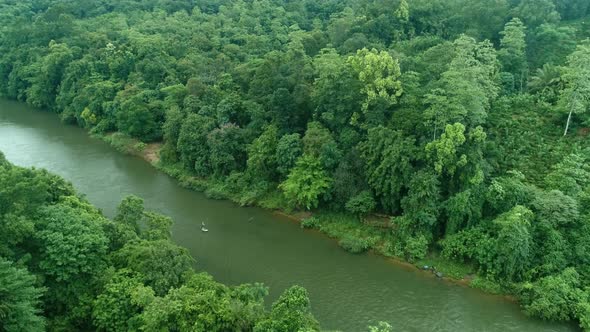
130	212
389	157
290	313
550	43
575	98
47	74
512	54
547	83
444	151
423	200
192	144
171	132
72	255
361	204
289	149
201	304
555	297
227	149
514	242
381	327
403	11
306	183
262	155
379	72
319	143
139	113
570	176
157	227
120	304
466	89
160	264
537	12
337	90
20	304
73	243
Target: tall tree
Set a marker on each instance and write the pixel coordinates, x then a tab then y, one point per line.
575	98
379	72
512	54
465	91
20	304
306	183
290	313
389	158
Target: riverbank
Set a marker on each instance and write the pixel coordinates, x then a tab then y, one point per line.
372	234
247	244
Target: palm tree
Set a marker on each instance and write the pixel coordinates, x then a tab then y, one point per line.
547	82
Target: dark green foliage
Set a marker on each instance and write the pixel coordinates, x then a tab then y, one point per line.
78	271
157	227
160	263
311	222
416	248
290	313
514	243
555	297
448	116
227	150
130	212
72	243
201	304
361	204
192	144
122	300
20	304
143	114
262	155
422	202
388	156
289	148
570	176
354	244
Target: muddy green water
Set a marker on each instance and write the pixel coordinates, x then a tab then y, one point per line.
348	292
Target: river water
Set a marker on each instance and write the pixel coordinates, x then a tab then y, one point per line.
348	292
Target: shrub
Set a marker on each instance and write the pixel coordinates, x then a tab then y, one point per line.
554	297
361	204
139	147
583	314
416	248
462	245
216	192
354	245
485	284
311	222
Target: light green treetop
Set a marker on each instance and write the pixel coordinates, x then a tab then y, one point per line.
380	73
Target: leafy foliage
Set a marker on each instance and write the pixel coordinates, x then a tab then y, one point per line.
448	116
306	182
20	299
70	268
291	313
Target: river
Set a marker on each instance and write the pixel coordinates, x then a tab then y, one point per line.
348	292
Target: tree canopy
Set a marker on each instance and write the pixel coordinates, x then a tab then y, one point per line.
68	268
464	123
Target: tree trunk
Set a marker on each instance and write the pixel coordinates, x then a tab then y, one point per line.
569	117
567	125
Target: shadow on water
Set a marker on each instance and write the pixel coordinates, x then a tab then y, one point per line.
348	292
